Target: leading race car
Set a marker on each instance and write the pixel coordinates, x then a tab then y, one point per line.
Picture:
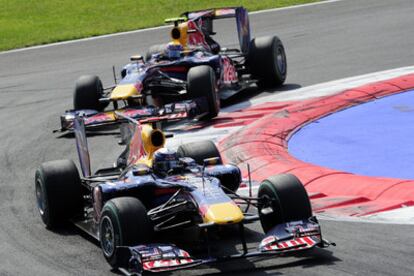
158	190
192	67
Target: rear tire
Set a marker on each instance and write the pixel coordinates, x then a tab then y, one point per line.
201	82
58	192
287	197
267	61
124	222
88	91
199	151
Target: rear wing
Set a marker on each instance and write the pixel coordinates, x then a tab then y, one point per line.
242	21
214	13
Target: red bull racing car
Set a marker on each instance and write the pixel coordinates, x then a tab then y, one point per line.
157	190
192	71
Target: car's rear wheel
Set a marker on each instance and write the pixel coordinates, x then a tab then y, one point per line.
58	192
201	82
123	222
283	198
267	61
88	91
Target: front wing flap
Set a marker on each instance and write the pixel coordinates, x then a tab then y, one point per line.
292	236
157	258
283	238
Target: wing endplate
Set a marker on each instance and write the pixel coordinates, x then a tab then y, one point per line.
82	145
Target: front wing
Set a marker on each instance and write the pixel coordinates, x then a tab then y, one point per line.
170	112
283	238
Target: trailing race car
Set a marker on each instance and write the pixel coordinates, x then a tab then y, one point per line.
192	67
158	190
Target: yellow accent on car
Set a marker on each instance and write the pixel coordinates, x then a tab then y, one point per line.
183	30
152	139
111	114
123	92
146	160
223	213
179	34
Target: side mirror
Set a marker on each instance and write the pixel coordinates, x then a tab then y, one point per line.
187	161
212	161
140	169
137	58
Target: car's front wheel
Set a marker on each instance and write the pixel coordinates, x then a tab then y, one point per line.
199	151
154	49
283	198
88	91
123	222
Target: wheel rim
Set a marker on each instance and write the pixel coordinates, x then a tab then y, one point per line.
107	237
281	60
40	198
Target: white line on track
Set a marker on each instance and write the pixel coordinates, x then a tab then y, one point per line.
295	7
153	29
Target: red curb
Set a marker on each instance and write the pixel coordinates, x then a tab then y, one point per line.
262	143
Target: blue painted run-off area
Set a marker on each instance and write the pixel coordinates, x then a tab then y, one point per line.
374	139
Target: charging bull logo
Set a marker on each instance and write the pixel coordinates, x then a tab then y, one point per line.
136	148
196	38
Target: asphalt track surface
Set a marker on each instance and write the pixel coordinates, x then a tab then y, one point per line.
323	42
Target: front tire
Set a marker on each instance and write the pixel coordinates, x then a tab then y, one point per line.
58	192
267	61
154	49
201	82
285	195
88	91
123	222
207	149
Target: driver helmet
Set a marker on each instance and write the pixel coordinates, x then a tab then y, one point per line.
165	160
174	50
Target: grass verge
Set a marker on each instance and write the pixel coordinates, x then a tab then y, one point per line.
32	22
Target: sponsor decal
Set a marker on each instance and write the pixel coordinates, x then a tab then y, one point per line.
229	72
196	38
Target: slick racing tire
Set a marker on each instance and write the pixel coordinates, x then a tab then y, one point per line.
154	49
88	91
58	192
201	82
267	61
207	149
199	151
286	198
123	222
